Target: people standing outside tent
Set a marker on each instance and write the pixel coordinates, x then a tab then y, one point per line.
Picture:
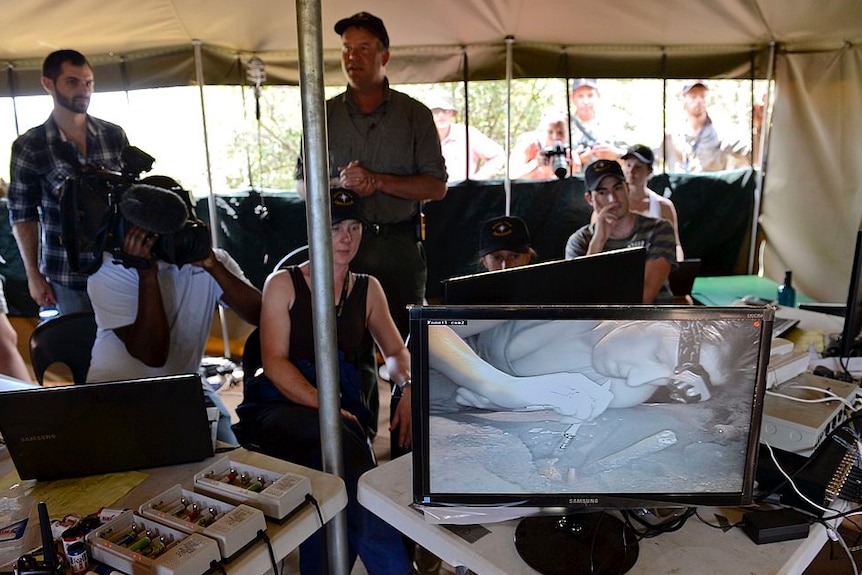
504	242
638	167
593	136
42	161
701	145
469	154
533	154
617	227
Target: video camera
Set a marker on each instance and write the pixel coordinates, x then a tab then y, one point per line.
558	157
93	222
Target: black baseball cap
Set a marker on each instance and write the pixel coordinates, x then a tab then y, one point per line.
345	205
599	170
364	20
641	153
504	233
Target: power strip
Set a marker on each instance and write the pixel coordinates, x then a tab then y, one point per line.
800	427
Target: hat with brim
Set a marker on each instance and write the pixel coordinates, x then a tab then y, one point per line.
364	20
599	170
504	233
687	87
641	153
345	205
585	83
440	102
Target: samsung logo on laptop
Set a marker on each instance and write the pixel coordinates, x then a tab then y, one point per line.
44	437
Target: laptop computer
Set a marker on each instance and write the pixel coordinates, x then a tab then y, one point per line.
681	279
612	277
89	429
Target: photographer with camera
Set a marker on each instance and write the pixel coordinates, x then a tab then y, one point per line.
43	160
156	290
544	153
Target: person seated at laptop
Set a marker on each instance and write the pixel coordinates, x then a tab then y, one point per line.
504	242
279	413
153	316
617	227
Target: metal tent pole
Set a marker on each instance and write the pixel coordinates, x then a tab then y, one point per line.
199	76
507	182
760	174
315	146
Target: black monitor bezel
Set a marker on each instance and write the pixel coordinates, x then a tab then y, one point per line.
848	345
569	502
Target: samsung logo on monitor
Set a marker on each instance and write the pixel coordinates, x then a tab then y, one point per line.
43	437
583	501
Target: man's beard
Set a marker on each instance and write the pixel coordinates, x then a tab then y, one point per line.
77	104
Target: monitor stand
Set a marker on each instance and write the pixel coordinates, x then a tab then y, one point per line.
594	543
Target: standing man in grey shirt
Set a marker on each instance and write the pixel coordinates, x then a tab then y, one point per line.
384	146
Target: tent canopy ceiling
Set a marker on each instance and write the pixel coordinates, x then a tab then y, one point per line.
148	43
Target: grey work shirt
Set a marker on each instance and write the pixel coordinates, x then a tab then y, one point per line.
398	138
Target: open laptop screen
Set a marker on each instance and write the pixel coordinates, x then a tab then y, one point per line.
87	429
613	277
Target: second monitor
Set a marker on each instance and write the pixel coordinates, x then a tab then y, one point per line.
613	277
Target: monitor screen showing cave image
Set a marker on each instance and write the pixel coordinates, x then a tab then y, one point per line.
580	410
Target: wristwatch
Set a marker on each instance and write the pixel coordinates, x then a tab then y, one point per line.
403	384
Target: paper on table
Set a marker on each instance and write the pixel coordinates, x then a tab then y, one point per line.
81	495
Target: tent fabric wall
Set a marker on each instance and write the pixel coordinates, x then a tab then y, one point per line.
812	202
674	38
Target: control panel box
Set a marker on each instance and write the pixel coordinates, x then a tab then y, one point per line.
800	426
276	494
232	526
134	544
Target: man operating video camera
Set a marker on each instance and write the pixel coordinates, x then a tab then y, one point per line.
154	316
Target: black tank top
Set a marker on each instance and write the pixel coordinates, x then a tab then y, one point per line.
350	324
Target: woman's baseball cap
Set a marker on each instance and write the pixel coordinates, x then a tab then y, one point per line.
504	233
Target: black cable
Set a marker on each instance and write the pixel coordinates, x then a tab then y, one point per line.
309	498
261	534
655	529
227	448
721	527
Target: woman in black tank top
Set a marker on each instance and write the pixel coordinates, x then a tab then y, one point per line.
279	414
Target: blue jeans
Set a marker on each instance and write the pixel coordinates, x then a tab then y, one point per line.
292	432
71	300
223	430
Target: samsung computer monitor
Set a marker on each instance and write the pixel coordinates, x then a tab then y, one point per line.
572	411
609	277
849	343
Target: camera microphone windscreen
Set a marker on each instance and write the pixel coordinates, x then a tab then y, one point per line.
154	209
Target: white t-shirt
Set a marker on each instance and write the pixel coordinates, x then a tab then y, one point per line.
189	294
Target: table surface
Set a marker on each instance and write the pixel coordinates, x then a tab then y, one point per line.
697	548
724	290
328	490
